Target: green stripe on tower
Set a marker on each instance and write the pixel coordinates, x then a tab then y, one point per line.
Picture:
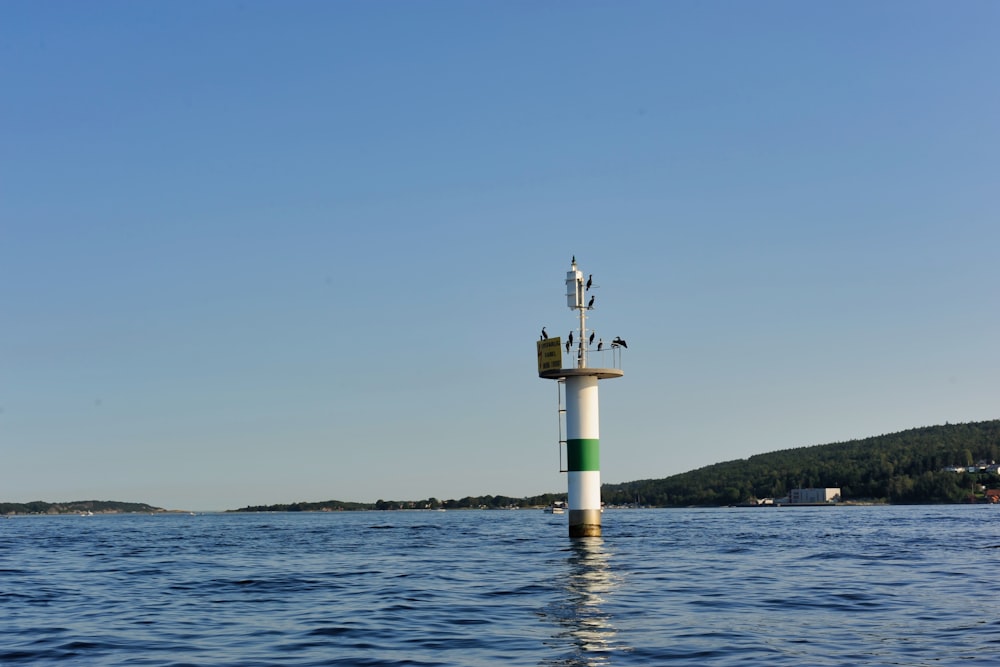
583	454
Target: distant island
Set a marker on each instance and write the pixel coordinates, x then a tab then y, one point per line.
953	463
79	507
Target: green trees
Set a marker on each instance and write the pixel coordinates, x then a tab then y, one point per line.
77	506
323	506
904	467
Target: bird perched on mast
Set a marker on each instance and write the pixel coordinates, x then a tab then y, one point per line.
592	334
590	306
570	339
590	281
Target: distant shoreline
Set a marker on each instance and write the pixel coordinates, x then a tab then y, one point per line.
81	507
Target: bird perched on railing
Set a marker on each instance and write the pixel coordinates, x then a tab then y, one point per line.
590	281
619	342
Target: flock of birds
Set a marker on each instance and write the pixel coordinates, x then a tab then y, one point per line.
616	343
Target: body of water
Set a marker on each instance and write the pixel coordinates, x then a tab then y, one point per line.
778	586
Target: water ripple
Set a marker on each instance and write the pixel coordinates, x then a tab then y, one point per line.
848	586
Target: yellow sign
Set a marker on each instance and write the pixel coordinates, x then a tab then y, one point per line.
549	354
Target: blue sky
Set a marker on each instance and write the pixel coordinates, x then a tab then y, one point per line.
262	252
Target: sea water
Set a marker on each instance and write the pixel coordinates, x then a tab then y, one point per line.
774	586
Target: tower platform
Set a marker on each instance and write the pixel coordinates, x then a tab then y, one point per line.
599	373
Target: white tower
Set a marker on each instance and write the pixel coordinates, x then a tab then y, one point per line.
582	414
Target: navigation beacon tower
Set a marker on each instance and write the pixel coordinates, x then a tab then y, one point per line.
581	412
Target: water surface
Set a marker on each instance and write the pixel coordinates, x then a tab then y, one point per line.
776	586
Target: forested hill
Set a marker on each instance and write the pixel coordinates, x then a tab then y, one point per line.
904	467
78	507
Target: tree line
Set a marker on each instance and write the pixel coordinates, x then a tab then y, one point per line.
903	467
76	507
468	502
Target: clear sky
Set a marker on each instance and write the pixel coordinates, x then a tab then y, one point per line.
261	252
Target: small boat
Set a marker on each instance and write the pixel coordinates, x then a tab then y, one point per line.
558	507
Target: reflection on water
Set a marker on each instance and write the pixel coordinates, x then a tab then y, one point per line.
585	633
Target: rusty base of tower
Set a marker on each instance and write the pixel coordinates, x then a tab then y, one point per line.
585	523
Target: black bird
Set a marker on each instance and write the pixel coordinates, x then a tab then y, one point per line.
570	339
590	281
544	335
568	343
600	344
592	334
619	341
591	304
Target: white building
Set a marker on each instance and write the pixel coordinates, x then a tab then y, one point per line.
828	495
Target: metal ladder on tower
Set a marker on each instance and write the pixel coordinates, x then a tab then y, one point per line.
560	394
